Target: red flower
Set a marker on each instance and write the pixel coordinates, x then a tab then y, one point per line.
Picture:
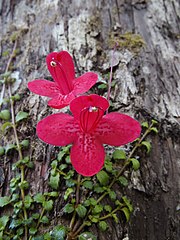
65	86
87	130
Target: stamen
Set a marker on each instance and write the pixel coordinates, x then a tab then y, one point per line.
53	64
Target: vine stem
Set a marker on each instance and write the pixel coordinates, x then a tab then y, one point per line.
6	70
127	162
16	135
110	77
71	225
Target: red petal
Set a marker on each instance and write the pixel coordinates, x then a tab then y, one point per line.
63	72
82	102
57	129
87	155
117	129
61	101
83	83
44	88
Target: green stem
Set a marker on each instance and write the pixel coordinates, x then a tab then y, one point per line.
110	214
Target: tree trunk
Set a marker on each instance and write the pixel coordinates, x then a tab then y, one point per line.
146	72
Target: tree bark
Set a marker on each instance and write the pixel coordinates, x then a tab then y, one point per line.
148	86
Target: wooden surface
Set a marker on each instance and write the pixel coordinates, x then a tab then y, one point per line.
148	86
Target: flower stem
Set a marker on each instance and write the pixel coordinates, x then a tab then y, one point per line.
110	77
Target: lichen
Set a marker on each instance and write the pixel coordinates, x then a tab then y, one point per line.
131	41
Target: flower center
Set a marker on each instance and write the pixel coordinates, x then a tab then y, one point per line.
90	117
65	84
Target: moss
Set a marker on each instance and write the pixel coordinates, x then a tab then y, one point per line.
128	40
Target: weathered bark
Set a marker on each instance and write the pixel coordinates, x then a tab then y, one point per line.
147	86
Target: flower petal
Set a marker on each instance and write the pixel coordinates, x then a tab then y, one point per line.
87	155
61	101
82	102
83	83
117	129
44	88
57	129
61	67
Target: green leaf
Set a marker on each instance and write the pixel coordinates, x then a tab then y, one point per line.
9	147
108	165
119	154
48	205
154	121
108	208
25	143
3	222
21	115
81	211
126	213
154	129
44	220
145	124
115	217
88	184
112	195
2	151
68	208
33	231
127	202
67	193
54	181
6	125
97	209
147	145
51	194
58	233
102	86
103	178
123	181
98	189
4	201
5	114
23	185
87	236
39	198
103	226
27	201
135	163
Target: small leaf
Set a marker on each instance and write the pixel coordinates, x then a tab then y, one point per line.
32	230
97	209
6	126
4	201
48	205
21	115
27	201
9	147
87	236
25	143
68	208
127	202
145	124
126	213
112	195
39	198
115	217
154	121
2	151
3	222
54	181
135	163
88	184
98	189
51	194
108	165
108	208
58	232
119	154
5	114
103	178
67	193
154	129
123	181
103	225
44	220
102	86
147	145
81	211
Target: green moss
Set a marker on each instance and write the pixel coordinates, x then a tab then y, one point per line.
128	40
